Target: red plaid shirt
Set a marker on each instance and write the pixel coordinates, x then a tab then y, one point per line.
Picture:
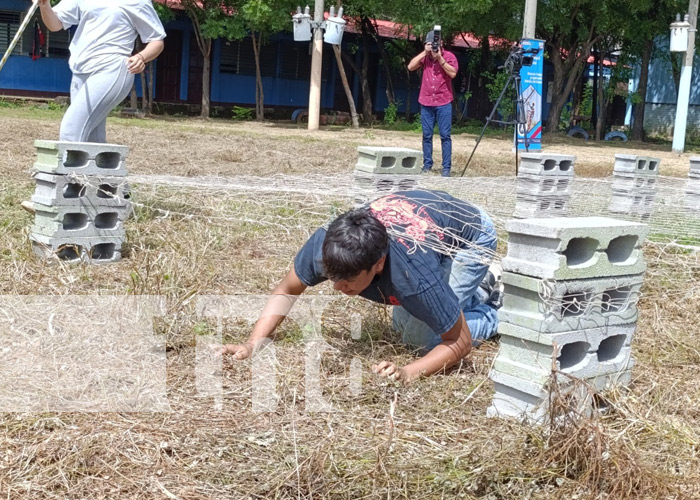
436	87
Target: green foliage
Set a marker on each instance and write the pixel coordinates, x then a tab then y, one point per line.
496	83
164	12
242	114
391	112
54	106
9	104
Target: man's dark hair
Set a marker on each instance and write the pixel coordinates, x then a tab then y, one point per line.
354	242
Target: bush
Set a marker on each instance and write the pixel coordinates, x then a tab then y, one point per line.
241	113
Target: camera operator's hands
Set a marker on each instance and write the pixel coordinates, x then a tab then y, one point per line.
428	49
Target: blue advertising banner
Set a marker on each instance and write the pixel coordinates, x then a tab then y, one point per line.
531	94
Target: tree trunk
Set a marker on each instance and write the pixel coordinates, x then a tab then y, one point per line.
206	77
134	98
346	86
144	91
638	115
602	104
390	94
366	91
149	107
482	104
259	95
566	74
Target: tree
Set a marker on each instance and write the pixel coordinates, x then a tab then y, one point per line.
210	20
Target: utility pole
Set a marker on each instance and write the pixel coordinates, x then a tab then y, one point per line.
316	67
529	18
684	86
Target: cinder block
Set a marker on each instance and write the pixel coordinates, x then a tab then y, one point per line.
382	160
692	202
583	354
632	204
560	306
633	183
530	402
368	187
541	185
692	186
72	190
694	172
546	164
83	158
96	250
540	206
633	164
575	248
78	222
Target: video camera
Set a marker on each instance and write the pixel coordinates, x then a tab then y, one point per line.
436	38
519	57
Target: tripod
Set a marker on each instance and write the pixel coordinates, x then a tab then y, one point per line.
520	118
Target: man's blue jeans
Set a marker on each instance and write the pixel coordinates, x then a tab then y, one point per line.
443	116
465	272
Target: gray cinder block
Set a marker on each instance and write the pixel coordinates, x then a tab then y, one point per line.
694	172
527	206
540	185
692	202
383	160
96	250
546	164
575	248
368	187
79	221
692	186
633	183
633	164
84	158
560	306
515	398
72	190
632	204
584	354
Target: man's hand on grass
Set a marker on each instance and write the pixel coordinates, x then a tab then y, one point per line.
237	351
391	371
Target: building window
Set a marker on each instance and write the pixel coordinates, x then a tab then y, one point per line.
9	24
237	58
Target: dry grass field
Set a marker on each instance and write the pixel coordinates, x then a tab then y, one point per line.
429	440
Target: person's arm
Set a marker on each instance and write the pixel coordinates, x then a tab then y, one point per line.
276	309
51	20
456	344
137	63
450	70
417	61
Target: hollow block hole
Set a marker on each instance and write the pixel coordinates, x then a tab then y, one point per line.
616	299
620	249
559	205
73	190
653	165
408	162
574	304
103	251
544	205
385	185
641	164
572	354
562	184
407	184
106	191
75	159
580	251
549	165
69	252
108	160
75	221
548	185
388	161
108	220
610	348
565	165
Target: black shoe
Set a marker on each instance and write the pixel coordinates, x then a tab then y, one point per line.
495	299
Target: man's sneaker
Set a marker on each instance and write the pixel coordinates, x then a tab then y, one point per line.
495	299
425	170
28	206
445	172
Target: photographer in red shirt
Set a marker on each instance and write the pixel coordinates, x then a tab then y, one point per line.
439	68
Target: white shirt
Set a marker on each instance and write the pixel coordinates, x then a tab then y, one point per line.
107	30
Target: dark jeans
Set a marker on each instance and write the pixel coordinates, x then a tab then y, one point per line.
443	115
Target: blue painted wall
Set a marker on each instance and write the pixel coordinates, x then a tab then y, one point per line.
661	89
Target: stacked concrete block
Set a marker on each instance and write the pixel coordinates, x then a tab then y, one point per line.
569	312
634	185
383	170
543	187
81	201
692	187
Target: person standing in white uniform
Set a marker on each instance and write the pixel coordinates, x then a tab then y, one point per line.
101	57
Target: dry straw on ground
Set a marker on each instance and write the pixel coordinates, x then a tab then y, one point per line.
429	440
